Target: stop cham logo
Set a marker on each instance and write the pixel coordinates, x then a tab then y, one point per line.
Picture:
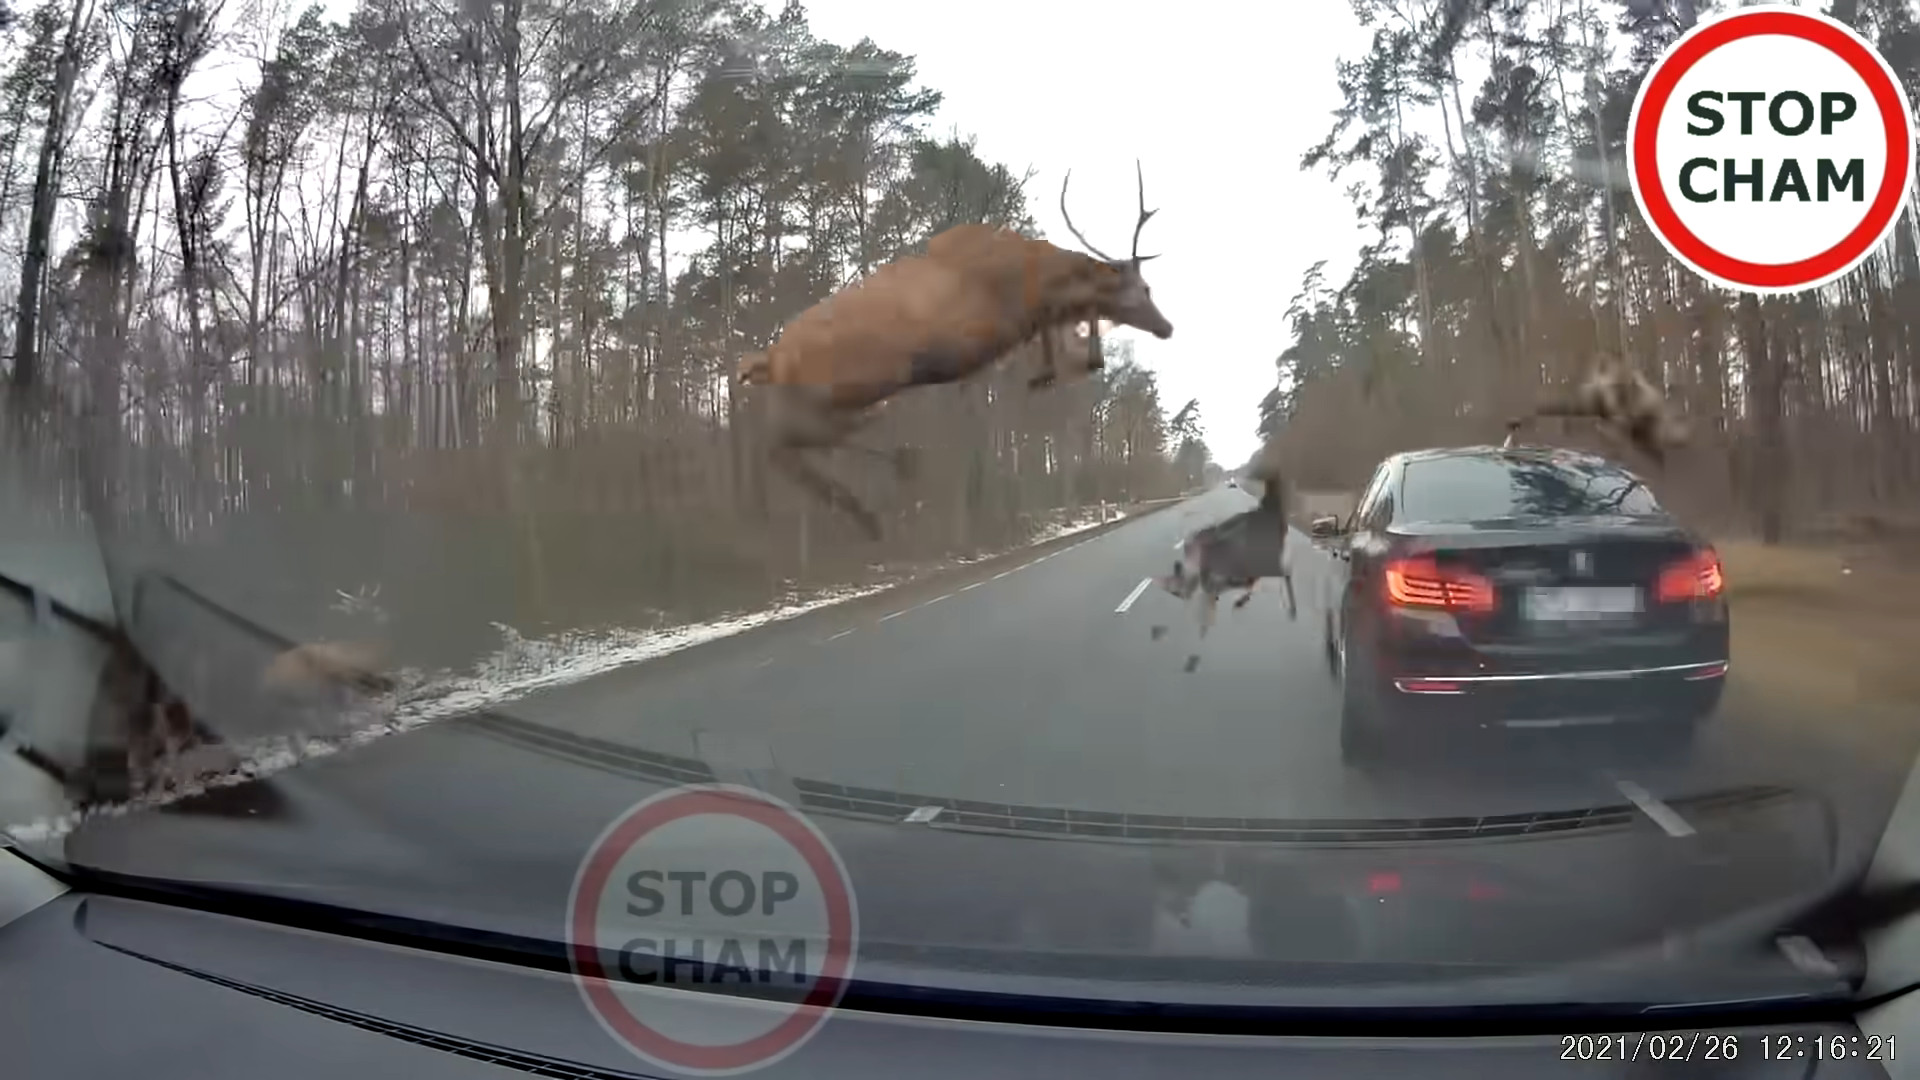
1771	149
712	929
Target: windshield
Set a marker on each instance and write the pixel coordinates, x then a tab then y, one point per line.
434	430
1463	488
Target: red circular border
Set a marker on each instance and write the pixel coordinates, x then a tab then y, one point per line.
583	948
1887	95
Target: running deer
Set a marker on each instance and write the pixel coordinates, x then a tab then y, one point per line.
932	319
1627	406
1236	554
323	670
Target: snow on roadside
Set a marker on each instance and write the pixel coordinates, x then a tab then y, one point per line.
524	665
1062	524
520	667
1069	524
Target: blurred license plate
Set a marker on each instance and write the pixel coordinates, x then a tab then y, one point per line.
1582	602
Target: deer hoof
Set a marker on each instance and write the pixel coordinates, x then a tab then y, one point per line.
1193	663
1040	382
1156	632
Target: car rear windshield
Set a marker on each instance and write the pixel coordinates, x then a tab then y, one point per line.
1491	488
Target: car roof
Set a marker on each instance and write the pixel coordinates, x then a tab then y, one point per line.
1527	452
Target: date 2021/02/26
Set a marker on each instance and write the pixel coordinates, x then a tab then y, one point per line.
1724	1046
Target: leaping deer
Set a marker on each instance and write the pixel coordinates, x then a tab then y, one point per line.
1236	554
931	319
324	669
1627	406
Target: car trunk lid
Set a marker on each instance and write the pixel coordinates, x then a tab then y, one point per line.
1588	584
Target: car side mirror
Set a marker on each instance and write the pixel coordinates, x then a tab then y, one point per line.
1322	527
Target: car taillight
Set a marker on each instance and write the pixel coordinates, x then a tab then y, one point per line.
1696	577
1424	583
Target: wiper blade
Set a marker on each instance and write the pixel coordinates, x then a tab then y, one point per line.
12	743
45	603
45	609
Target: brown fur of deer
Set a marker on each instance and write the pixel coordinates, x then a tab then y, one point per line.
1018	266
1237	553
318	664
1628	408
324	668
926	320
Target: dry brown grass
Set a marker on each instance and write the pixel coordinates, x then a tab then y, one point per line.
1829	632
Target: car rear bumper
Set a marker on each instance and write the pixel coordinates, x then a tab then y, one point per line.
1676	691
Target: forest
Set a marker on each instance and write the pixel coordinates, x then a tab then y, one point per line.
1508	251
449	296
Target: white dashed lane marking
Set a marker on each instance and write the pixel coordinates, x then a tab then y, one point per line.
1124	605
1660	813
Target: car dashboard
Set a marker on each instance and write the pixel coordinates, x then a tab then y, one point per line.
104	985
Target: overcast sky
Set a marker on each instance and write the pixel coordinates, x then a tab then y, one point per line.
1217	98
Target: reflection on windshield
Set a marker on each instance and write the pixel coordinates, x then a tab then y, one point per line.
1472	489
429	430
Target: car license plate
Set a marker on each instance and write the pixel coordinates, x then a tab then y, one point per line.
1582	602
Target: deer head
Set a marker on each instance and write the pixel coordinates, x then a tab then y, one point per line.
1120	294
360	602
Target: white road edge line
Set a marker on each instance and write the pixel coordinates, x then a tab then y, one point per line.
935	600
840	635
970	588
1661	814
1132	596
895	615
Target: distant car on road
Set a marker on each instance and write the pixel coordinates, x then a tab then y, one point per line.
1232	483
1518	587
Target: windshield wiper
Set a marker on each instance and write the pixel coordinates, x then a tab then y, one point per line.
44	603
46	607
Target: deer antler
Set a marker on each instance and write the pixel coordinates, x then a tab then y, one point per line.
1141	179
1135	257
1077	234
360	600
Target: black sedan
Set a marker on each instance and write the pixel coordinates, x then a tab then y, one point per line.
1516	587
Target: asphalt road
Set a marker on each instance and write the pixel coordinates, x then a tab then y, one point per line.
1029	680
1040	683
